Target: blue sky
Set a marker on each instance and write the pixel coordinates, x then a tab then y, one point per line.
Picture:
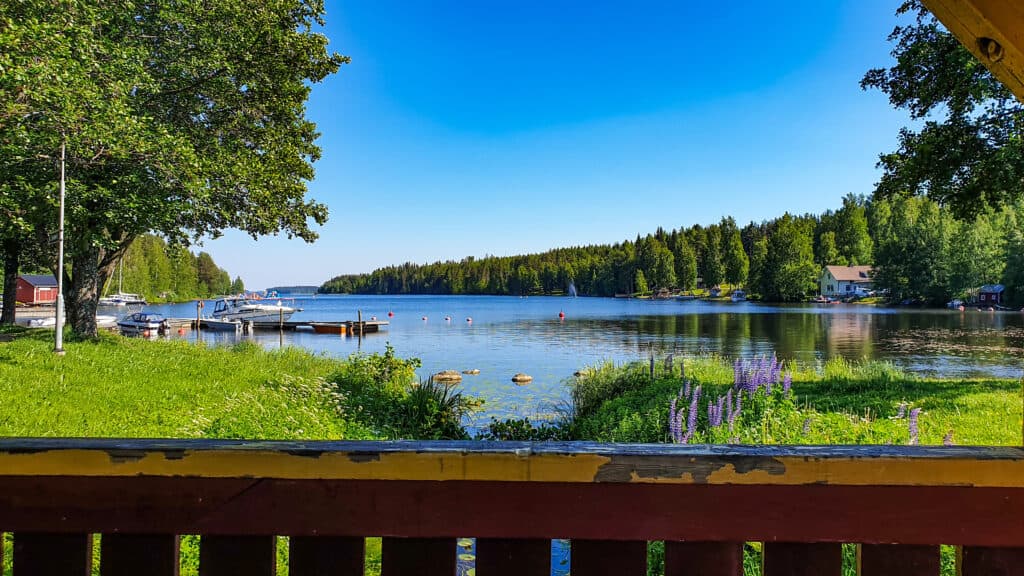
471	128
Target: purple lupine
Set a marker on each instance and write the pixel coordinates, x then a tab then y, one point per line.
947	440
691	420
901	411
912	425
737	372
787	382
720	410
686	389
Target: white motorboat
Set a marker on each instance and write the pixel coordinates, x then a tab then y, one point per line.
251	310
142	323
738	296
123	299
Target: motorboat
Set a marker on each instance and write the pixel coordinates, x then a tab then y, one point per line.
738	296
251	310
123	299
143	323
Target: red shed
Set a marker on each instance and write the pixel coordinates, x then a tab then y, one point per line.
36	289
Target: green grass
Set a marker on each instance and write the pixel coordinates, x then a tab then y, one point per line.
845	403
121	387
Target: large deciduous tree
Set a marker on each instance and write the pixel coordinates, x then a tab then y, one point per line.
180	118
968	152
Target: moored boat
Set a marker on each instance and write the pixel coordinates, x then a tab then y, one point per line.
329	327
122	299
142	323
738	296
248	310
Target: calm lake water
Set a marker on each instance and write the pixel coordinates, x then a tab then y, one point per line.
510	335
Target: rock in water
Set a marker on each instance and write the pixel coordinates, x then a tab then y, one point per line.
521	378
448	376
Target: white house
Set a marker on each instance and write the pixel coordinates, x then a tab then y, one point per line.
842	281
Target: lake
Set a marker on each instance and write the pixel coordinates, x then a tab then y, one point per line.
509	335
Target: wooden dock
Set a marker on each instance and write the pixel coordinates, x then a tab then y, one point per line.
347	327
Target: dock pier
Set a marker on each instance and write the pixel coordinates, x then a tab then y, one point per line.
345	327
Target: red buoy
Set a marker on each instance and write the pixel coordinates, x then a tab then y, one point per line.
391	314
561	314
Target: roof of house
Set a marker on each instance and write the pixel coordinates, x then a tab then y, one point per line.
850	273
40	280
992	288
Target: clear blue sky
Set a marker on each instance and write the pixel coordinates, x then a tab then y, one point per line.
499	127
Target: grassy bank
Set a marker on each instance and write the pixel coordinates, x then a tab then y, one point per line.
838	403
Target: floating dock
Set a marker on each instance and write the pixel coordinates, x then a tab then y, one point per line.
350	327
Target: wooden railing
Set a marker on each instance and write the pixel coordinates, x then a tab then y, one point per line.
898	503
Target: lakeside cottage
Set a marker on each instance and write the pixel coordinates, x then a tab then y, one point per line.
36	289
991	294
843	281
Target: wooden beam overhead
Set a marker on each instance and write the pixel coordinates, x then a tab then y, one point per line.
993	30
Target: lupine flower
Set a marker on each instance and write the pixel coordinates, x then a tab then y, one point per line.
912	425
901	411
787	382
673	428
691	421
686	389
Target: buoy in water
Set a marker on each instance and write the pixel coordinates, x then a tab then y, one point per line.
521	378
447	318
424	318
391	314
181	331
373	317
469	320
561	315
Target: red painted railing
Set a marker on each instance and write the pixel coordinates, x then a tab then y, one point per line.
898	503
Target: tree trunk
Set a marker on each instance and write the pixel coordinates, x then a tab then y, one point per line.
90	270
11	252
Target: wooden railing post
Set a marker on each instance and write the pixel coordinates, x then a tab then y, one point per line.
704	558
790	559
132	554
599	557
521	557
40	554
417	557
326	556
238	556
883	559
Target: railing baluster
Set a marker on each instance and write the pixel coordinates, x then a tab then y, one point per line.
237	556
884	559
704	558
984	561
52	554
417	557
597	557
789	559
501	557
326	556
131	554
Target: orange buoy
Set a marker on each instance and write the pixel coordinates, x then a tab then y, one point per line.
391	314
145	333
181	331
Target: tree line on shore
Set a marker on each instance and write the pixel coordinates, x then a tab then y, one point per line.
919	251
160	271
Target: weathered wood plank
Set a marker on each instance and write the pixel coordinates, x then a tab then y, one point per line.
599	557
884	514
418	557
326	556
704	558
977	23
885	559
985	561
790	559
133	554
45	554
519	462
506	557
238	556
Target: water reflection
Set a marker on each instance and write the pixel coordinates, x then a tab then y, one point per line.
510	335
